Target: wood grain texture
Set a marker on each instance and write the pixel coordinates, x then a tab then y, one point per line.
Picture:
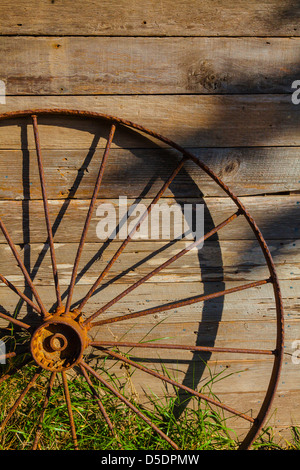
236	375
148	18
72	173
189	120
228	260
276	216
256	304
78	66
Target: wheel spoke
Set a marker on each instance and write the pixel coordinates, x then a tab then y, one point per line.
128	344
130	235
45	404
20	398
10	355
100	404
179	385
69	407
180	303
46	209
23	269
89	215
15	321
161	267
129	404
19	293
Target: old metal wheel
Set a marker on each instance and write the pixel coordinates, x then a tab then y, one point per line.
58	340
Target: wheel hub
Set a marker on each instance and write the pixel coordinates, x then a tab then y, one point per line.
58	343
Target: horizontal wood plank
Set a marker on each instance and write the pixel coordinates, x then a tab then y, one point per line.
228	260
189	120
147	18
251	330
255	304
276	216
72	173
81	66
238	377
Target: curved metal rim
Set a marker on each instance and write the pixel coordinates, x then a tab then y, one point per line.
278	357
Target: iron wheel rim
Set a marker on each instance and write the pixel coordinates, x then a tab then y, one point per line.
257	422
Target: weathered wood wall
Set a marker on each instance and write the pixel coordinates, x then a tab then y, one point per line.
216	78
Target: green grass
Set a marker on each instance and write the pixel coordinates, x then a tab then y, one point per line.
198	427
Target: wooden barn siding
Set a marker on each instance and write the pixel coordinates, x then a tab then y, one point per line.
214	77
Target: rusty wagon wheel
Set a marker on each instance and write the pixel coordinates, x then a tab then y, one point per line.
58	341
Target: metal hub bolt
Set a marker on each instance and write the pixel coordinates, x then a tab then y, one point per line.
58	342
